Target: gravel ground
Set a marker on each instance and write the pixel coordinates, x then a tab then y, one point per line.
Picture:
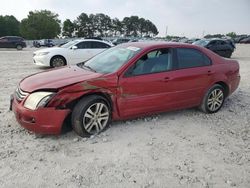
184	148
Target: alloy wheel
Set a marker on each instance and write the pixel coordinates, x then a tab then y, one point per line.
95	118
215	100
58	62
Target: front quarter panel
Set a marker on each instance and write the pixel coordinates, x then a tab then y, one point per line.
104	85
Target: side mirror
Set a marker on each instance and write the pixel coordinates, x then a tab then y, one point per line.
74	47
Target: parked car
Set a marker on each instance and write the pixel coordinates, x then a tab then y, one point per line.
70	53
239	38
43	42
120	41
192	40
224	48
12	42
245	41
126	81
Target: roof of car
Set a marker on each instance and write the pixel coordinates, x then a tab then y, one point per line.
152	44
96	40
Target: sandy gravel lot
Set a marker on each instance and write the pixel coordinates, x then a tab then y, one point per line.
178	149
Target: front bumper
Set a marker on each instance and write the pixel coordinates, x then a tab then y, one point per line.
41	60
42	120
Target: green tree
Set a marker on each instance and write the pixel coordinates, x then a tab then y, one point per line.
116	27
40	24
231	34
9	25
83	25
135	26
102	24
68	28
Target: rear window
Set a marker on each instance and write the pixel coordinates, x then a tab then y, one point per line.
101	45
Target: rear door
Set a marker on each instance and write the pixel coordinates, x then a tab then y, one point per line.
192	76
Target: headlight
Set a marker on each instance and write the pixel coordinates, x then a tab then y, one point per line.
42	53
38	99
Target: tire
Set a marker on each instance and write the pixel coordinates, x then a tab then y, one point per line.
228	54
57	61
90	116
213	99
19	47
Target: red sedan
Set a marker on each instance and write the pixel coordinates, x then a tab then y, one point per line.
126	81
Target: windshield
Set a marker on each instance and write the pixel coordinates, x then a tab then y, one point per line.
112	59
69	44
201	42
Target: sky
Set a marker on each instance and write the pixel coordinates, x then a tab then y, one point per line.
191	18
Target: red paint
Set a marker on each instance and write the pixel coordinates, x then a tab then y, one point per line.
130	96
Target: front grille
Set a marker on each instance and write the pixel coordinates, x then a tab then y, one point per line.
20	95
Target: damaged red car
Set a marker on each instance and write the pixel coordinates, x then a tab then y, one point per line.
126	81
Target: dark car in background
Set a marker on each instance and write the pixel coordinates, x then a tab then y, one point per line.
224	48
12	42
43	42
240	38
245	41
120	41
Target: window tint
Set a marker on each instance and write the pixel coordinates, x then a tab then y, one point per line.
84	45
223	43
13	39
152	62
188	58
99	45
3	39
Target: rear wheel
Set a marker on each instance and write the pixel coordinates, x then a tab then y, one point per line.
19	47
57	61
213	100
91	115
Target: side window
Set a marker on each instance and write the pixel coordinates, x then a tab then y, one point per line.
11	39
8	39
95	44
84	45
3	39
188	58
152	62
212	42
223	43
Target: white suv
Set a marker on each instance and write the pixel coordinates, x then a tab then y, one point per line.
70	53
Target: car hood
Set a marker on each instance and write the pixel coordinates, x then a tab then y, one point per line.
49	50
55	79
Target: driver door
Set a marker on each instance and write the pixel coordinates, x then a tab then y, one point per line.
81	53
146	85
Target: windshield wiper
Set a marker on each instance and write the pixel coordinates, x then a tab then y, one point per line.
88	67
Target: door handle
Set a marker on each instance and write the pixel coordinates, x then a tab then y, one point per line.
210	72
166	79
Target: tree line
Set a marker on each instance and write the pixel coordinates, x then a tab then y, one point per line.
46	24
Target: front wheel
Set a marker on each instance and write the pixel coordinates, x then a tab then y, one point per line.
213	100
90	116
57	61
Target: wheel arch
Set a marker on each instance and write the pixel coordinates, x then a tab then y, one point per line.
54	56
66	126
225	86
106	97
